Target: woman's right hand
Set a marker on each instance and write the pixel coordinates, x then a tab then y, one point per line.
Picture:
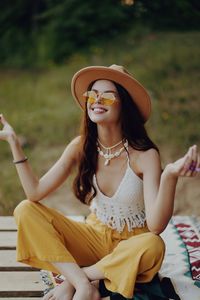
7	133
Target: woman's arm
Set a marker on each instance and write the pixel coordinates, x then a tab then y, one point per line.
34	188
159	189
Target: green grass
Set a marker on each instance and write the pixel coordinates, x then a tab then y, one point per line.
39	105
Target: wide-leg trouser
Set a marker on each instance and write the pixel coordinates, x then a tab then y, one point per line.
45	236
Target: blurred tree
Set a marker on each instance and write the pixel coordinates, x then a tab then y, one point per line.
74	24
177	14
18	29
37	31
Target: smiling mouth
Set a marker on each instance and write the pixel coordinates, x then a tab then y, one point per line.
99	109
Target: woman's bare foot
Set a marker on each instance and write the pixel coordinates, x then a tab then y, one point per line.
63	291
87	292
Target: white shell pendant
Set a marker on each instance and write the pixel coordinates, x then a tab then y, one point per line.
109	155
107	162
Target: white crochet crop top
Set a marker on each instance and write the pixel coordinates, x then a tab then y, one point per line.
126	206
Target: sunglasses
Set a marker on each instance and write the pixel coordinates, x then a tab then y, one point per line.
106	98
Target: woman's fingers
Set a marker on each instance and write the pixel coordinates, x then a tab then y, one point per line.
186	164
194	160
2	119
197	170
5	122
192	165
7	130
190	162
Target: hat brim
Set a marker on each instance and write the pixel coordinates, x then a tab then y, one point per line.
82	79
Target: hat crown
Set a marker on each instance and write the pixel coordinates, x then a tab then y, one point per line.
116	73
119	68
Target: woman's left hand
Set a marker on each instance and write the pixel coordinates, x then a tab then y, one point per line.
187	166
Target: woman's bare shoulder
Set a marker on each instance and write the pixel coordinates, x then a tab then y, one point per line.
143	153
76	141
73	149
144	159
149	154
149	159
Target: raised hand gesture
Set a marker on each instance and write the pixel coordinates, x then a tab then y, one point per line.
188	165
7	131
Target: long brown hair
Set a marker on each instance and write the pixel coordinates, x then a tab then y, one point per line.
133	130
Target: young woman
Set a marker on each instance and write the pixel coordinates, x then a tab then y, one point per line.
119	176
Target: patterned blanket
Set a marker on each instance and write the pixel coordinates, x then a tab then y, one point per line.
180	271
182	259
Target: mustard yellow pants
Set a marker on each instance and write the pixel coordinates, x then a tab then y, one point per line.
45	236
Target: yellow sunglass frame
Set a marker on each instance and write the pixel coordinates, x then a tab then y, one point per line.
106	98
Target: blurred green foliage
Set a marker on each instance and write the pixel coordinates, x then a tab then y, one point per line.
39	105
44	32
158	42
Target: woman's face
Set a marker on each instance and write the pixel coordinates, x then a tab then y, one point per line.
100	112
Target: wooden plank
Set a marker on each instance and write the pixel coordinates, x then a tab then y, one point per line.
19	284
33	298
22	284
7	223
24	298
25	295
14	284
8	240
8	262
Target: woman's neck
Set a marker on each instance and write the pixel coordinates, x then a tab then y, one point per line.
109	136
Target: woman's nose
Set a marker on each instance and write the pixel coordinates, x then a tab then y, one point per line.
98	98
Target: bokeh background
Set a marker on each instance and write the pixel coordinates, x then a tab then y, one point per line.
44	42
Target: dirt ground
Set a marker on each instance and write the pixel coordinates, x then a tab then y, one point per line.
187	199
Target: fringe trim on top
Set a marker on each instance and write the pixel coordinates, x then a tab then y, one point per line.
118	223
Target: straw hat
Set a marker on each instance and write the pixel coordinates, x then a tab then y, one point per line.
82	79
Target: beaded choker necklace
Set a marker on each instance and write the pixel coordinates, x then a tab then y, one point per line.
108	155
